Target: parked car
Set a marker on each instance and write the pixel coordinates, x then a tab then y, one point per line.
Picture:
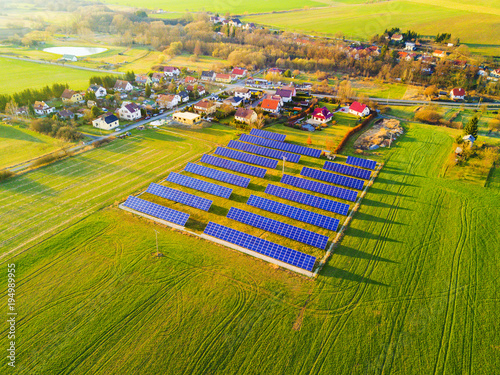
118	130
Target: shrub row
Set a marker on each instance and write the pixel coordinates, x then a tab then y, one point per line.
354	130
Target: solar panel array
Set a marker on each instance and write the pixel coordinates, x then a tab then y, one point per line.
308	199
363	163
247	158
156	210
299	214
319	187
345	169
200	185
179	196
215	174
277	227
234	166
270	153
333	178
269	135
281	145
270	249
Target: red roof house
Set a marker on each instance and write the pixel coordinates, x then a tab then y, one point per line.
322	115
457	94
271	105
358	109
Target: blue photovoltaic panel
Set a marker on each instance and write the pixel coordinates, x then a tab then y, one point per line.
247	158
363	163
179	196
270	249
319	187
345	169
277	227
269	135
156	210
234	166
308	199
215	174
299	214
281	145
200	185
333	178
269	152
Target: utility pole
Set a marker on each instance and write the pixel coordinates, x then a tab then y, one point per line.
284	159
157	252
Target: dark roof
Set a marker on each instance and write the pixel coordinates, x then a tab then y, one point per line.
132	107
108	119
284	93
183	94
207	73
66	113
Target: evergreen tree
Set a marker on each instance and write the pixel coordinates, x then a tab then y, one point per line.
148	91
472	127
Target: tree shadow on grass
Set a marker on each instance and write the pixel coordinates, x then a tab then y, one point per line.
17	134
353	253
376	190
392	182
337	273
367	217
256	187
374	203
238	198
353	232
219	210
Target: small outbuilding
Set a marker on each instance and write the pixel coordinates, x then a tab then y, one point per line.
187	118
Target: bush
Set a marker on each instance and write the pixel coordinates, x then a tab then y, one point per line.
5	175
428	115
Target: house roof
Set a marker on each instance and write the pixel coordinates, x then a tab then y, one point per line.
284	93
223	76
40	104
170	69
207	73
458	92
132	107
270	104
244	113
183	94
157	75
233	99
239	71
357	107
95	87
322	112
66	113
189	79
121	84
68	94
242	90
205	104
109	118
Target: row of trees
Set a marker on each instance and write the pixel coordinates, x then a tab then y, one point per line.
56	128
29	96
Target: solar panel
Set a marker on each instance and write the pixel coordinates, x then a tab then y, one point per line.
270	249
179	196
308	199
194	183
156	210
299	214
333	178
269	135
281	145
270	153
247	158
345	169
363	163
215	174
234	166
277	227
320	187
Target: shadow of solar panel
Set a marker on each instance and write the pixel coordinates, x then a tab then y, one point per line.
277	227
179	196
292	212
247	158
269	135
215	174
264	247
281	145
308	199
363	163
200	185
156	210
319	187
270	153
345	169
333	178
234	166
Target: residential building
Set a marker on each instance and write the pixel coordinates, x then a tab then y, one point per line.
208	75
66	114
439	53
184	96
322	115
189	79
156	77
130	111
187	118
247	116
286	95
170	71
271	105
123	86
239	73
143	79
107	121
243	93
457	94
358	109
234	101
71	58
91	103
410	46
99	91
205	106
167	101
397	38
275	71
42	108
225	78
70	96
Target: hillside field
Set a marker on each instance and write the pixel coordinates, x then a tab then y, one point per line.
412	286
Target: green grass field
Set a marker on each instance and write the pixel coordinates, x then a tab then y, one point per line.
18	145
20	75
412	288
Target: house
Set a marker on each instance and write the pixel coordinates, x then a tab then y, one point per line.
130	112
250	26
243	93
143	79
91	103
208	75
410	46
123	86
184	96
22	111
290	88
71	58
276	71
66	115
239	73
286	95
170	71
439	53
156	77
167	101
187	118
42	108
275	97
457	94
107	121
271	105
70	96
234	101
322	115
247	116
201	89
99	91
235	22
189	79
407	56
205	106
495	73
225	78
469	138
397	38
358	109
